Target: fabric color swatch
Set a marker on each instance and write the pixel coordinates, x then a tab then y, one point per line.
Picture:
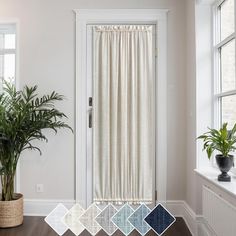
160	219
71	219
88	219
120	219
137	219
104	219
54	219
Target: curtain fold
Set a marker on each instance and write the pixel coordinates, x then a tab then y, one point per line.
124	114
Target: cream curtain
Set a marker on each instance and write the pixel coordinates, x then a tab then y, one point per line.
124	113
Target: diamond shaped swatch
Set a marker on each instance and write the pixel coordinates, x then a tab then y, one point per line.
137	219
104	219
87	219
160	219
120	219
54	219
71	219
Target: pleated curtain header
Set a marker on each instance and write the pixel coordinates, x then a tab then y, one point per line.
123	28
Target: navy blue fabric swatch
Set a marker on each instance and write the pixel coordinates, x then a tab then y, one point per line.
160	219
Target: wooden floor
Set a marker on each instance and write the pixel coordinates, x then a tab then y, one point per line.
35	226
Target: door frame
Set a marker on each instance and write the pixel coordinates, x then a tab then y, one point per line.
84	17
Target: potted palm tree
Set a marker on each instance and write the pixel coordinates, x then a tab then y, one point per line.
23	117
223	141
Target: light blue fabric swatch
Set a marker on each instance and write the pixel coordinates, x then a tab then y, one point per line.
137	219
120	219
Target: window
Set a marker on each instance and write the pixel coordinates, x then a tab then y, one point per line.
224	64
7	53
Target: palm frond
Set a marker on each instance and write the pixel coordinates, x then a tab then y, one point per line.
24	115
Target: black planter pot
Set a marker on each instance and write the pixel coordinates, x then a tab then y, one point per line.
224	164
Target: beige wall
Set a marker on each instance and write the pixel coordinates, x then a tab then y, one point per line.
47	58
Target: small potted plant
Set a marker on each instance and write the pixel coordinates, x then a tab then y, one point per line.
223	141
23	116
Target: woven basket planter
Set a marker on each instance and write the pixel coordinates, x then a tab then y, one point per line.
11	212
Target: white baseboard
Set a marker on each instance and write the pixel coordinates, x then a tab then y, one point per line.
181	209
42	207
195	223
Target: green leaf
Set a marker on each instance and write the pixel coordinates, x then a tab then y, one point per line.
220	140
209	151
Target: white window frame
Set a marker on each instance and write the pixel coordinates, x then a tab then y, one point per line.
15	21
8	29
217	45
119	16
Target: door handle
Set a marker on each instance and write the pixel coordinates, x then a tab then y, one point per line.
90	118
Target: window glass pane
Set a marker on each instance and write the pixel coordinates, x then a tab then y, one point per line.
1	41
228	66
226	18
9	67
228	106
10	41
1	67
1	72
